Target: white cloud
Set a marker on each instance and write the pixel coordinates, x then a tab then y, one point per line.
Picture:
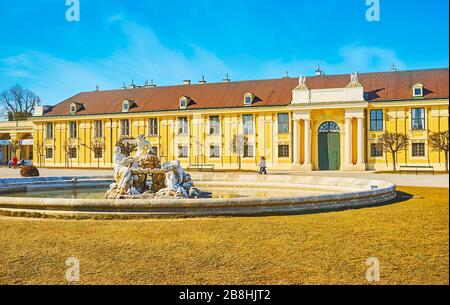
145	58
352	58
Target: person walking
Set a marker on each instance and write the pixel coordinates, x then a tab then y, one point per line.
262	166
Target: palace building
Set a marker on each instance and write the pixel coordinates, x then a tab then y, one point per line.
310	123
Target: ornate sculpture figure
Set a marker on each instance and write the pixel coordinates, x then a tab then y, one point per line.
142	144
130	175
122	172
354	77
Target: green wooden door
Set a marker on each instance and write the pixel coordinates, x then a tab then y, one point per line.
329	151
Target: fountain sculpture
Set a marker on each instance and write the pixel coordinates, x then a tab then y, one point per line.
169	180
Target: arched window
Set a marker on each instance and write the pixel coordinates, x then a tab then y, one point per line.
329	127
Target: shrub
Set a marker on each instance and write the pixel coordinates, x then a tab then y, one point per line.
29	171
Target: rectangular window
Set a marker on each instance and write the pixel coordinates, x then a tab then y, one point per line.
418	118
418	149
73	130
98	152
49	153
182	151
125	128
248	150
376	119
98	129
418	92
214	125
153	127
214	151
376	149
283	151
283	123
183	127
73	153
49	130
247	123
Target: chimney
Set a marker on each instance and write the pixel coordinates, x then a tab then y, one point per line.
226	79
203	81
393	68
187	82
319	71
132	85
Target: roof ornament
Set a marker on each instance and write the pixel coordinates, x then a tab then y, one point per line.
319	71
203	81
354	80
301	83
393	68
226	79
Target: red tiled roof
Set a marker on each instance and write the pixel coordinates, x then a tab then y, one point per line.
379	86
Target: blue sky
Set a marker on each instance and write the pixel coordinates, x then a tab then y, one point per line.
168	41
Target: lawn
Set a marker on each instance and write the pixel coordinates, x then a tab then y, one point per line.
410	238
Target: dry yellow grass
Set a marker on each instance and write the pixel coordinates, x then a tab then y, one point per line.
410	238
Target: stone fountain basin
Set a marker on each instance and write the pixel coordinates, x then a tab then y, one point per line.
341	193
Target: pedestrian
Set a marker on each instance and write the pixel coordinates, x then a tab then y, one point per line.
14	161
262	166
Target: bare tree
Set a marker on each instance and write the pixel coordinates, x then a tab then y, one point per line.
237	146
439	142
393	142
40	152
96	146
68	150
18	103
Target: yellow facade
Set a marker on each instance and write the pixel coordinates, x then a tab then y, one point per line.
265	137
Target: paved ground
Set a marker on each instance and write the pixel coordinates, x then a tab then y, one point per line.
437	180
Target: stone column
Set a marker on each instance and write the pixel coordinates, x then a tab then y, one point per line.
360	141
348	140
307	141
296	146
304	115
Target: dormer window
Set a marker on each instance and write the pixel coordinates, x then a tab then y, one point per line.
417	90
248	99
184	102
75	107
127	105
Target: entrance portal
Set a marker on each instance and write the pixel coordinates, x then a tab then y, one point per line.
329	146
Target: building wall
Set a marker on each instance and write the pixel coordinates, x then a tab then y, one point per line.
397	118
265	138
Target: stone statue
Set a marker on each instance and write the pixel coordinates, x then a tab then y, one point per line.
142	144
178	182
301	83
354	80
130	174
122	172
354	77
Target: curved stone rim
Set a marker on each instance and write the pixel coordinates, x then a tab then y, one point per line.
358	193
